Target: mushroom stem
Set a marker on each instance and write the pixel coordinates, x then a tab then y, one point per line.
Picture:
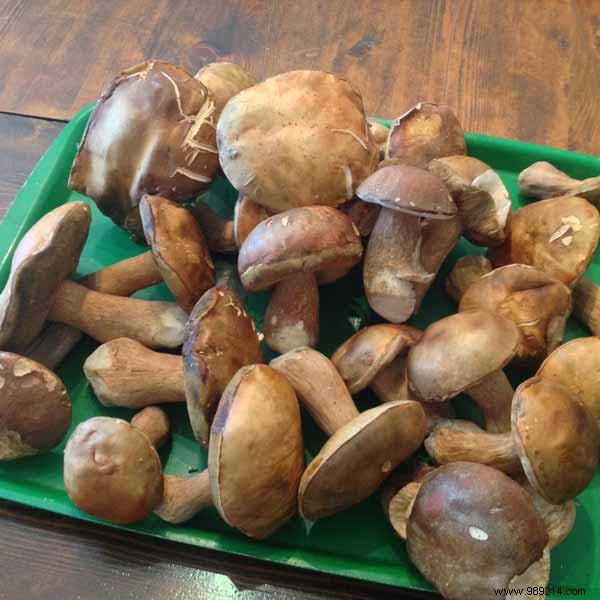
586	304
494	395
153	422
105	317
184	497
218	231
467	270
53	344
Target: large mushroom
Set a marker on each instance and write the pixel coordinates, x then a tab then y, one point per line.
38	288
152	132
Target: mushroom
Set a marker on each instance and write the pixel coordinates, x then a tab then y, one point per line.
393	260
558	466
362	449
38	289
473	530
466	270
297	139
424	132
53	344
466	352
166	149
380	133
255	458
542	180
247	215
35	410
363	215
111	468
481	198
219	232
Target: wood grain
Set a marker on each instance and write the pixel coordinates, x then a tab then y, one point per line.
526	70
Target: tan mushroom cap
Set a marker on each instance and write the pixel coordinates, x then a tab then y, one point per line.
575	365
246	216
537	303
256	453
112	471
369	350
220	339
557	439
410	190
558	236
472	529
35	410
358	457
307	239
47	255
179	249
459	351
297	139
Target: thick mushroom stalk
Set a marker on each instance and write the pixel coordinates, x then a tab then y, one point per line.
53	344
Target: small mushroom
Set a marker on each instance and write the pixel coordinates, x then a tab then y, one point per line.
363	215
219	232
554	439
247	215
111	468
424	132
393	260
363	448
466	352
473	530
166	149
466	271
53	344
380	133
541	180
255	458
35	410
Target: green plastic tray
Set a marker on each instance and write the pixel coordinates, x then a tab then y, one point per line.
357	543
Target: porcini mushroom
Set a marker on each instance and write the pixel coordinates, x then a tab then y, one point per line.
467	352
38	289
247	215
362	449
166	149
218	232
35	410
363	215
473	530
53	344
111	468
380	134
466	270
393	260
554	439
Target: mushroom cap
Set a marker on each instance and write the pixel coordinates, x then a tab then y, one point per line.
538	304
152	132
473	529
35	410
369	350
220	339
556	437
247	215
358	457
459	351
575	365
307	239
179	249
256	453
47	255
112	471
296	139
558	236
410	190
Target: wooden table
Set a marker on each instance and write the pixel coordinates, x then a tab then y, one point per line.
525	69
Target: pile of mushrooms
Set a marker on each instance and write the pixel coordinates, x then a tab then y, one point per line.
320	187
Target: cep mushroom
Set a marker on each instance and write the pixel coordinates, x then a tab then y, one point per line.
466	352
394	261
38	288
362	449
473	530
554	439
466	270
255	458
380	133
167	149
111	468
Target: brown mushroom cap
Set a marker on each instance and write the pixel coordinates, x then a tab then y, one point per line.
459	351
220	339
112	471
557	439
358	457
304	239
256	453
538	304
472	529
558	236
246	216
35	410
179	249
47	254
296	139
152	132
